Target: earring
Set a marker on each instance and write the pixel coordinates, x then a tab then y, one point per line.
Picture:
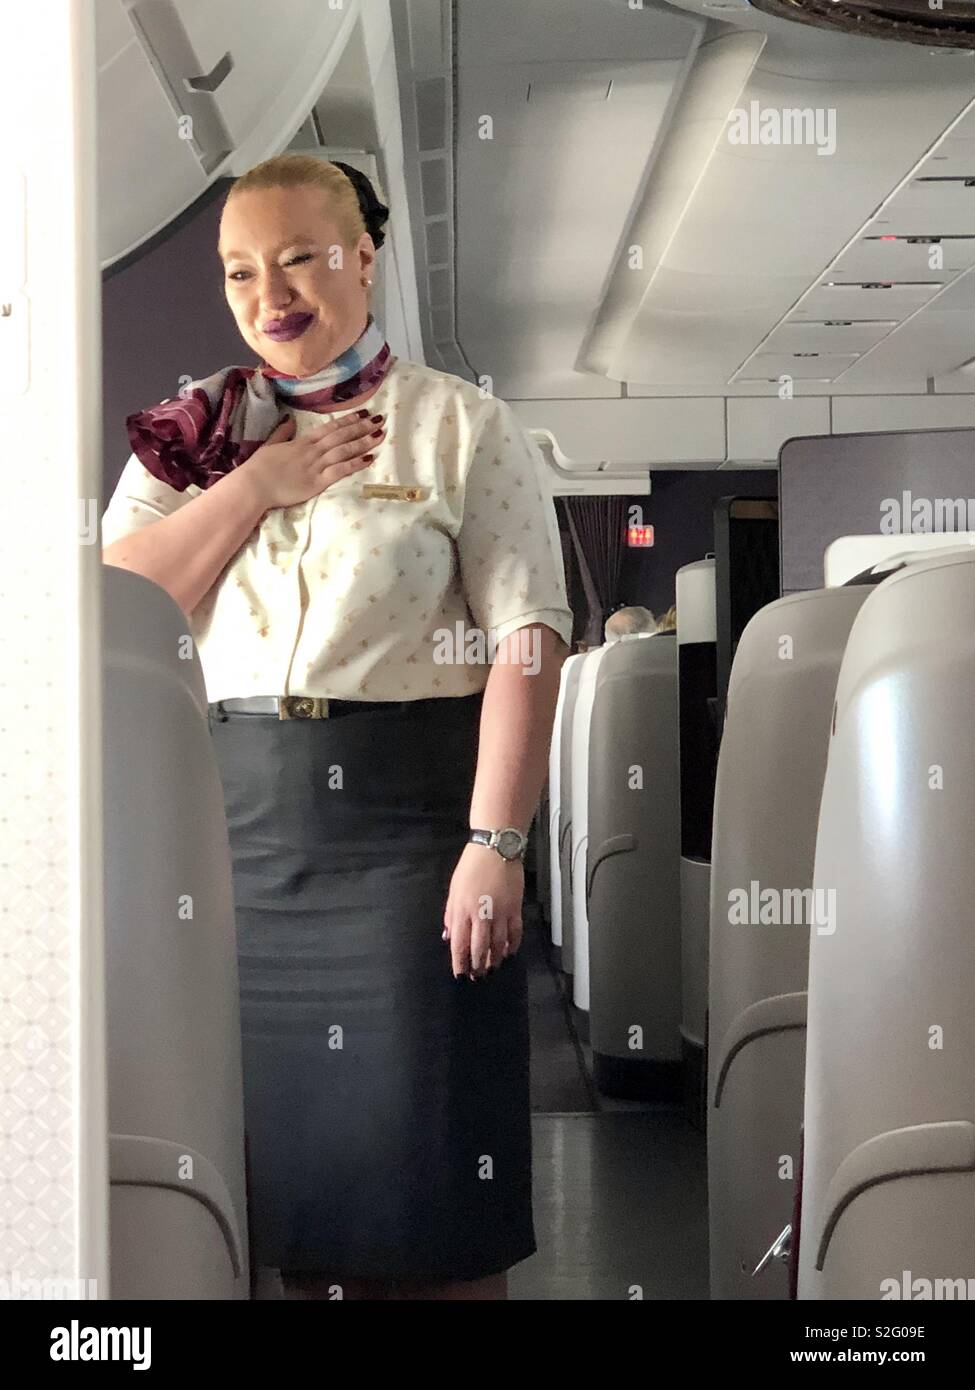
366	282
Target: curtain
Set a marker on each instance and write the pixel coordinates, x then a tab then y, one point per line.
596	525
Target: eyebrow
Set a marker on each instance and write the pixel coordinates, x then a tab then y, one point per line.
291	241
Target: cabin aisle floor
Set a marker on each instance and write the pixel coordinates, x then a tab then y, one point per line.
560	1078
620	1187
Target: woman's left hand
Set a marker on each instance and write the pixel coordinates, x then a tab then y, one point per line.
482	919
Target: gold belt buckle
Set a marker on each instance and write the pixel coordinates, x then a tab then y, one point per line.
303	707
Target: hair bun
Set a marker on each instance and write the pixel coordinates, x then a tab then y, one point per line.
374	213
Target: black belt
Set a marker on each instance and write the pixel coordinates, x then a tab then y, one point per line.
306	706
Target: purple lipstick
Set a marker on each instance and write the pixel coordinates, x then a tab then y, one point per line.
291	326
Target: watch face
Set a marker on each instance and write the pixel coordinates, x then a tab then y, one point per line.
509	844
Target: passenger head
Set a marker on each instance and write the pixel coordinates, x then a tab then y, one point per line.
668	623
626	622
293	240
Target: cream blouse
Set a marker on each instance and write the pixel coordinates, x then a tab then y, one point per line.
383	597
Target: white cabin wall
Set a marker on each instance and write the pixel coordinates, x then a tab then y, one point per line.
53	1107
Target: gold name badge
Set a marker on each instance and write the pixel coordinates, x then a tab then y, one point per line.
399	494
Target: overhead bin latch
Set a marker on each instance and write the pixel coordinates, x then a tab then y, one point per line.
191	89
210	81
780	1249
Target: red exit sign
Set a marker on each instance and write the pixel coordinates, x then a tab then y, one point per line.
639	535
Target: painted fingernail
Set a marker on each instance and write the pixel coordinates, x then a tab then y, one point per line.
368	458
376	419
376	434
362	414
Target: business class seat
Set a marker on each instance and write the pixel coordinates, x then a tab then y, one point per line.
889	1157
633	876
541	856
771	766
560	794
570	673
579	834
178	1218
697	686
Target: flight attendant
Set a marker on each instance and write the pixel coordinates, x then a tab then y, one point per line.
348	572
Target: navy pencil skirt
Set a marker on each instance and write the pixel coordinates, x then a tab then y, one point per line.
386	1104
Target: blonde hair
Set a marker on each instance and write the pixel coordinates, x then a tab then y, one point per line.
668	623
305	171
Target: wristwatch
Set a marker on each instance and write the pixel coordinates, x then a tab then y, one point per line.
509	843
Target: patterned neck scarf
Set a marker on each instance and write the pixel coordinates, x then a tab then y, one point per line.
215	424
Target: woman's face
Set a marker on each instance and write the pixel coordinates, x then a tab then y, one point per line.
283	256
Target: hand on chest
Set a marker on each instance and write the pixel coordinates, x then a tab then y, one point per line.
380	535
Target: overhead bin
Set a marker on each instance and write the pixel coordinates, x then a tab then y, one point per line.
569	480
178	1215
634	337
579	833
766	806
634	871
697	696
619	440
888	1198
187	91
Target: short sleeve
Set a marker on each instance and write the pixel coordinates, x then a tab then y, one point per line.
138	500
508	545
